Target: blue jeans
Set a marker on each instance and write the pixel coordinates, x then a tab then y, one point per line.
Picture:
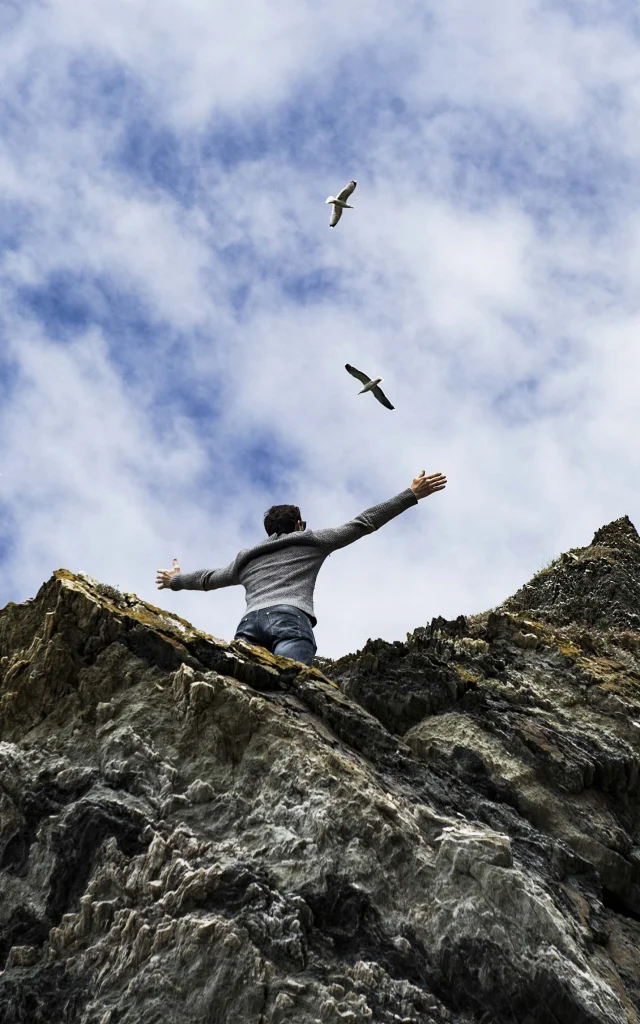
282	629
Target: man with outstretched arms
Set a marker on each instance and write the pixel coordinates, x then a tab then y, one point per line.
279	574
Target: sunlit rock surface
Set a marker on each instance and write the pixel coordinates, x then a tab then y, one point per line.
441	830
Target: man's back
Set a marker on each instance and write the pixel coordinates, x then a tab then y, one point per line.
286	575
279	575
283	568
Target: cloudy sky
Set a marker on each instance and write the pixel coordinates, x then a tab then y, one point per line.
175	313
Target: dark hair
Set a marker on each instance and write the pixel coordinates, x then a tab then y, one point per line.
281	519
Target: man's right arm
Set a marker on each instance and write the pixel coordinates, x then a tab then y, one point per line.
205	579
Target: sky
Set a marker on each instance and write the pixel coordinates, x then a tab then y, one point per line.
175	313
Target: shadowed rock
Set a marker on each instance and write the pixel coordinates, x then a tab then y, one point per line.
446	830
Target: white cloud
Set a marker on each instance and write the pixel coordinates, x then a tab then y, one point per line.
206	56
502	318
530	57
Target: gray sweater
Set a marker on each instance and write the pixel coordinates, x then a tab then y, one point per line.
283	568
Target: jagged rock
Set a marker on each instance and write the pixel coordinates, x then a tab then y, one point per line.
595	586
446	830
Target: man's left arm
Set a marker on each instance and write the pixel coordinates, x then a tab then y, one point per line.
378	515
367	522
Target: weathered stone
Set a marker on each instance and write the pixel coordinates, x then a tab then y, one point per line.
23	956
188	826
528	641
597	586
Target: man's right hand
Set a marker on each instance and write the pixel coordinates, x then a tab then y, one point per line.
423	486
163	578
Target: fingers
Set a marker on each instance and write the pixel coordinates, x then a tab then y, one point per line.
430	484
164	576
432	476
423	485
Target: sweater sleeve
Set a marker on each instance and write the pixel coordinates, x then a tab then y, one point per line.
206	579
367	522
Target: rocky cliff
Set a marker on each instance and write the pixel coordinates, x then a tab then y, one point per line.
445	829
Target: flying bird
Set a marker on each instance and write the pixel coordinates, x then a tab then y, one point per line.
340	203
370	385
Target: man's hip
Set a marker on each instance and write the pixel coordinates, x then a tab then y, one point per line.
282	629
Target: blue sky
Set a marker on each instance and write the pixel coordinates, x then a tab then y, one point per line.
176	314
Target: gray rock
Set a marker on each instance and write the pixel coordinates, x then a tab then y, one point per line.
445	831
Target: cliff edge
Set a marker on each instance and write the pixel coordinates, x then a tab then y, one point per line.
445	829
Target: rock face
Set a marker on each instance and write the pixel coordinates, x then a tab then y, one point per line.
594	586
441	830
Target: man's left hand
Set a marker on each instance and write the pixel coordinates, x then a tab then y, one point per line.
423	486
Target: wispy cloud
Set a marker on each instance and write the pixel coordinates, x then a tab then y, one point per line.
176	314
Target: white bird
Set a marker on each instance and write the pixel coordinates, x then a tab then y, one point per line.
340	203
370	385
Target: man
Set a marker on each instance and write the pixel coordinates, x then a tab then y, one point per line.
279	574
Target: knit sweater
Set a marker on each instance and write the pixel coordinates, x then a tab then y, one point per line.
283	568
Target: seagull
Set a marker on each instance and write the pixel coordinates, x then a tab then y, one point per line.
369	385
340	203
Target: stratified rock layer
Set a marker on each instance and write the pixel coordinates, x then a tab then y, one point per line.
445	830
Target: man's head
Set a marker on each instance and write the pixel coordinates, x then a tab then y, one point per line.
283	519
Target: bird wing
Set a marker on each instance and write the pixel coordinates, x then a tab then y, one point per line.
358	374
336	214
346	192
382	398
